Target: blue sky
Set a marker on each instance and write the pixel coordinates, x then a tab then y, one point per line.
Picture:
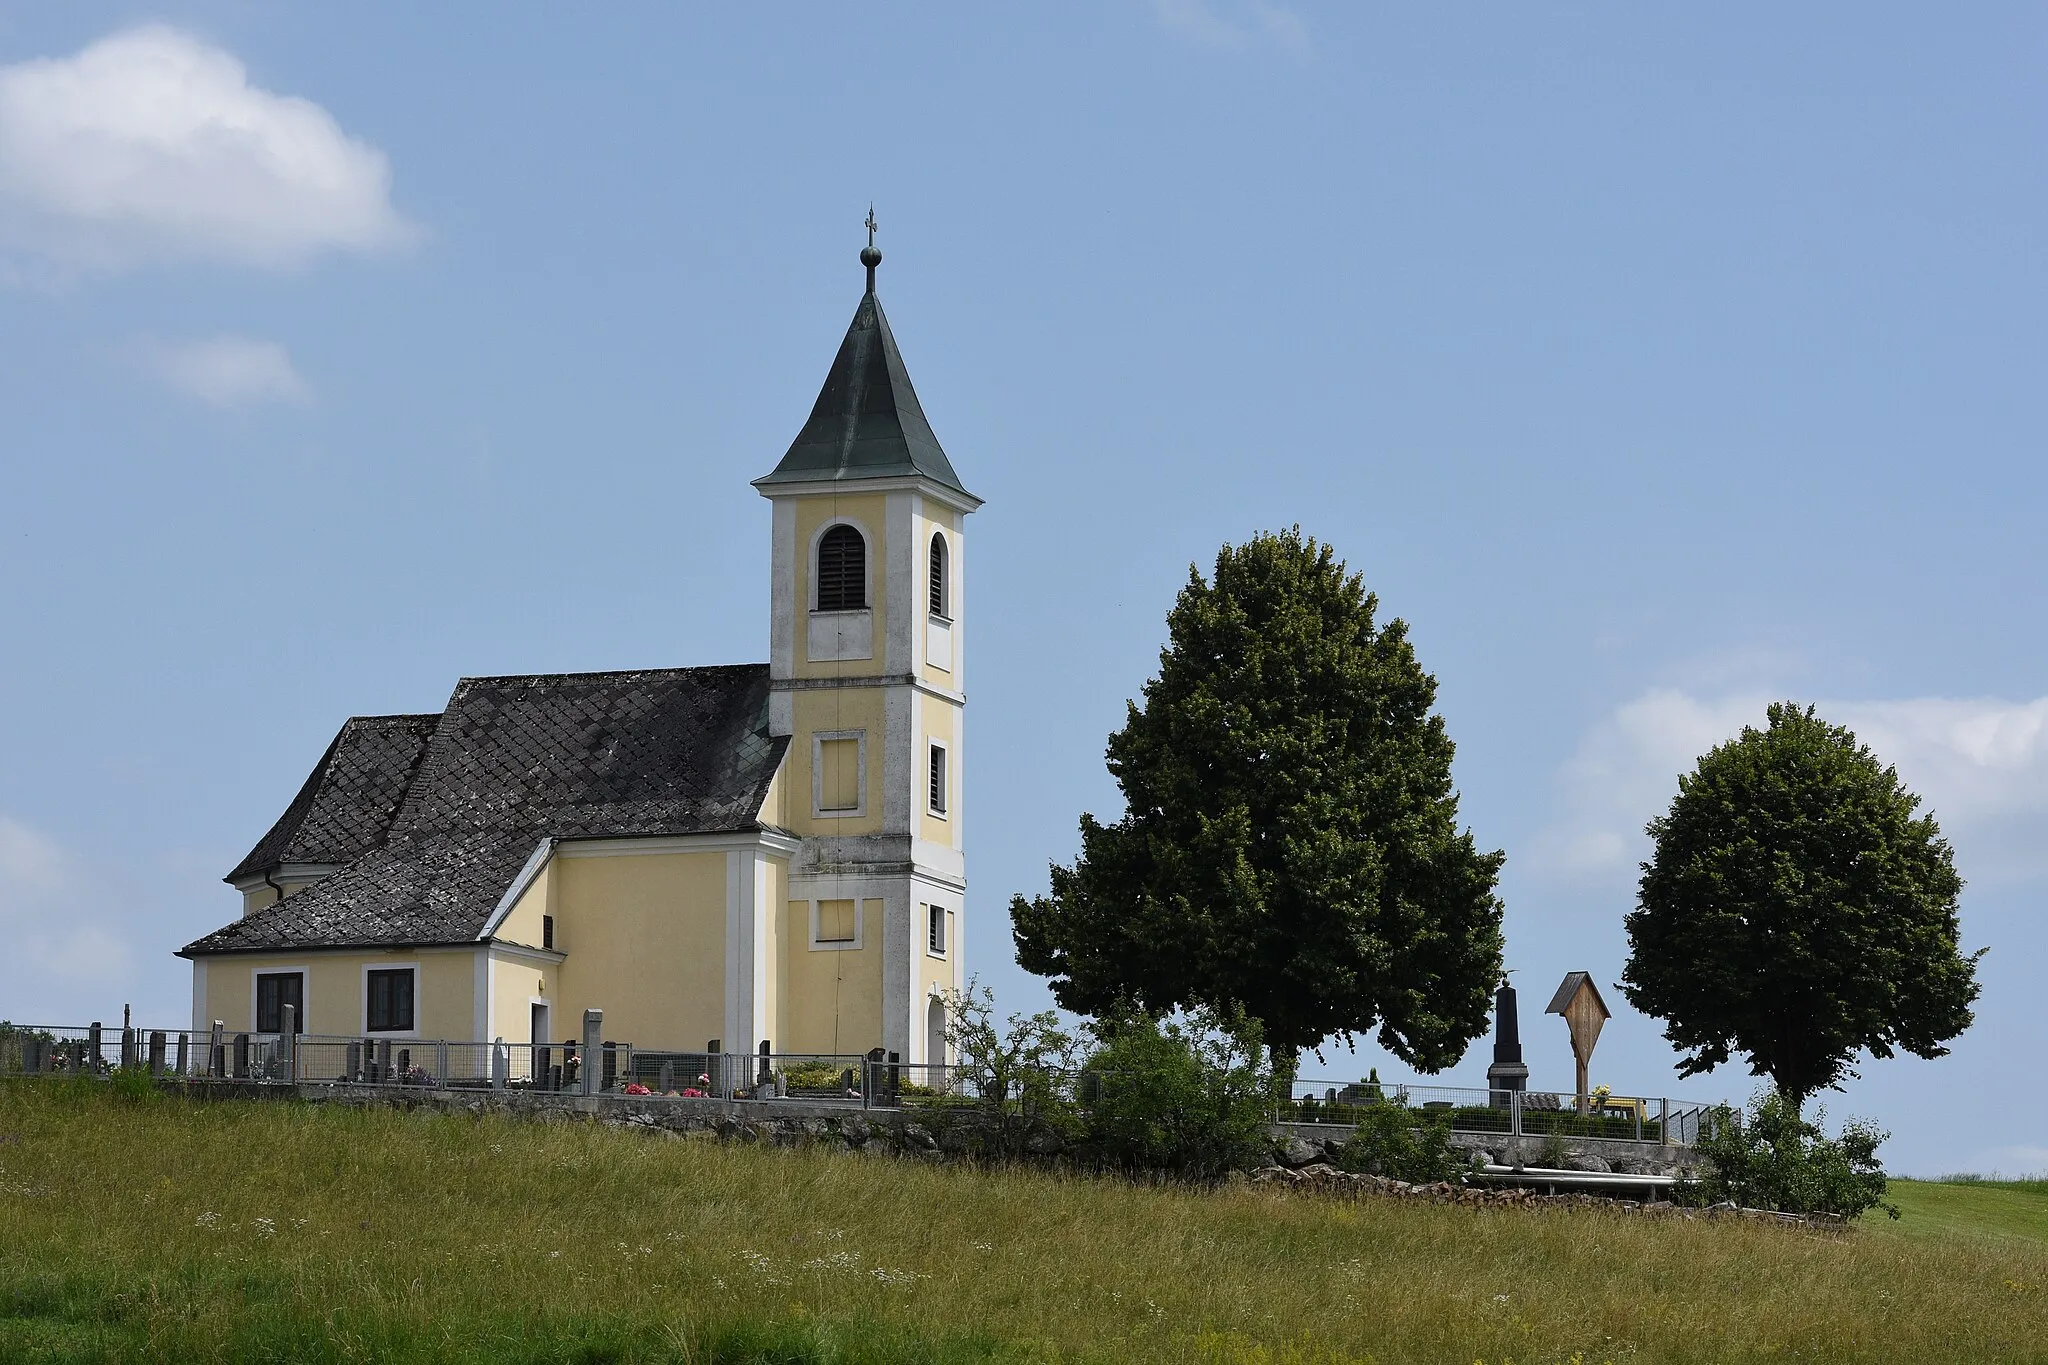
1650	362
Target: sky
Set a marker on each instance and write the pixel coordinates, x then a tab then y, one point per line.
1652	362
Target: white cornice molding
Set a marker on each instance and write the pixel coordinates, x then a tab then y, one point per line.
870	680
645	845
937	492
301	874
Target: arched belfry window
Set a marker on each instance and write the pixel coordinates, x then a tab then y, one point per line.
842	570
939	574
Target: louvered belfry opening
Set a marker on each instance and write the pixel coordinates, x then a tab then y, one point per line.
842	570
939	574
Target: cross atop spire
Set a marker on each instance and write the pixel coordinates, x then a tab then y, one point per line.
871	255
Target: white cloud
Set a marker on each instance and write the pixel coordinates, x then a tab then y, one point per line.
1234	24
59	946
151	145
1981	766
228	371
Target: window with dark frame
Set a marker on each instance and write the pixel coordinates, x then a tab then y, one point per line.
275	990
390	1003
938	933
938	782
939	574
842	570
547	931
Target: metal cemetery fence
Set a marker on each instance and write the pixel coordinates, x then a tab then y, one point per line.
1515	1113
875	1080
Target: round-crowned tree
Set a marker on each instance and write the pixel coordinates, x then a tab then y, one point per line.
1290	845
1798	911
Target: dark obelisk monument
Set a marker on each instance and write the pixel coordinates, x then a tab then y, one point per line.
1507	1071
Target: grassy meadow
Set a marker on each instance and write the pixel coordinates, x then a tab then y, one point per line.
159	1229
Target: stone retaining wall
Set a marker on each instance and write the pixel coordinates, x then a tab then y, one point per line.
909	1132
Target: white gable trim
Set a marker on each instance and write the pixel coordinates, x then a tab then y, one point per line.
535	861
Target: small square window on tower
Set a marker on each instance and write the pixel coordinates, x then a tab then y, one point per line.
938	779
835	922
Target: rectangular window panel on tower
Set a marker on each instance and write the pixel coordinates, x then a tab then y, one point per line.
839	774
938	779
938	929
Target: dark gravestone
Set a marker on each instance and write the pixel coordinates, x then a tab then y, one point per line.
156	1052
242	1055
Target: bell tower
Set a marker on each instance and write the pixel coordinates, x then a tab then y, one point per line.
867	678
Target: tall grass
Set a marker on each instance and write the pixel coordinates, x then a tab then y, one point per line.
139	1230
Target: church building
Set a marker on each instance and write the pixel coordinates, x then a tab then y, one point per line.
742	852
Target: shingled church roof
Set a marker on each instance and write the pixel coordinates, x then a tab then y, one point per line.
346	806
867	422
511	762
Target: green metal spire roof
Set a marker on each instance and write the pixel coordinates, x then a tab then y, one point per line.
866	423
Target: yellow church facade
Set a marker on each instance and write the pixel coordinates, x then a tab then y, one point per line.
729	855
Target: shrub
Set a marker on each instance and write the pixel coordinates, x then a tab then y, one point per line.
1015	1075
1186	1095
1772	1158
1403	1144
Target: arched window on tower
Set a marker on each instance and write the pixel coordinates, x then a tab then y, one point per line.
939	576
842	570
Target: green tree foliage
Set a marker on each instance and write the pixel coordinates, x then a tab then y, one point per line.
1290	847
1796	910
1403	1144
1186	1096
1771	1158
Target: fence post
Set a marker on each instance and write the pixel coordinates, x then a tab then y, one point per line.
1664	1121
1639	1119
1515	1112
217	1050
441	1063
593	1047
92	1043
289	1040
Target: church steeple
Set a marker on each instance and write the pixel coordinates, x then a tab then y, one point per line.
867	423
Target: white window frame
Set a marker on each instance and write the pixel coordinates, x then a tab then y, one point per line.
839	945
860	760
418	1001
867	587
942	918
305	975
946	786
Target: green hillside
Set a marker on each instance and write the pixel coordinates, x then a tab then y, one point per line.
1998	1208
161	1230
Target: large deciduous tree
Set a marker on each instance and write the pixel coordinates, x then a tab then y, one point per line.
1797	911
1290	846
